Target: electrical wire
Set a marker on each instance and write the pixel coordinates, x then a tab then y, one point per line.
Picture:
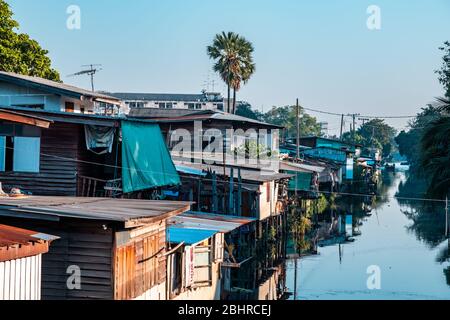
218	180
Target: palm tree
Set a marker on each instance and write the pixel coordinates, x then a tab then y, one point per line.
234	62
246	67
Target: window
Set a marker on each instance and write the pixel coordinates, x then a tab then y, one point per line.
202	264
19	154
70	106
198	106
191	105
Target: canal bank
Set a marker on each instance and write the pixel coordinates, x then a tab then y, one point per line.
403	240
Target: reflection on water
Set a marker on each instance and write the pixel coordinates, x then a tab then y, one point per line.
405	238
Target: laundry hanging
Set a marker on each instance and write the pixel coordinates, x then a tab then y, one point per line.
99	139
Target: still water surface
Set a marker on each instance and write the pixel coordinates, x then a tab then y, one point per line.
405	239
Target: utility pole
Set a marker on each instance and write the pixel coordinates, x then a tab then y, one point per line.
298	129
354	115
364	120
342	124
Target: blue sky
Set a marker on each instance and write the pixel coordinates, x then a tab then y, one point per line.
319	51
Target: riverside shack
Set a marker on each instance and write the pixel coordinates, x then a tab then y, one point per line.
107	248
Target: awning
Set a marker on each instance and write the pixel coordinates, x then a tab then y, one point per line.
188	236
108	101
146	162
23	118
209	221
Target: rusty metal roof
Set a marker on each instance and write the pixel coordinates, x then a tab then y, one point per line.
16	236
16	243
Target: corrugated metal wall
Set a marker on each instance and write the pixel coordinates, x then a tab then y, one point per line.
20	279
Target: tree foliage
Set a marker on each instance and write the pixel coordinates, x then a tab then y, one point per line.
408	141
374	133
286	117
444	71
233	58
245	110
18	52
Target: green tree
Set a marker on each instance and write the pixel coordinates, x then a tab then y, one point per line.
408	140
245	110
434	155
374	133
444	72
18	52
233	61
286	117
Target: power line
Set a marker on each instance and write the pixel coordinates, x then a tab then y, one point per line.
363	116
222	180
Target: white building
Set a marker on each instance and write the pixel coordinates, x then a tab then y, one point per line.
202	101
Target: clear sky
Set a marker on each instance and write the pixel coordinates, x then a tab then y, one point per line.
319	51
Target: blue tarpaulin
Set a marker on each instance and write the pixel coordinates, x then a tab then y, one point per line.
188	236
146	161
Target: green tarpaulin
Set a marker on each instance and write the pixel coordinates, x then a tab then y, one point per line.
146	161
303	181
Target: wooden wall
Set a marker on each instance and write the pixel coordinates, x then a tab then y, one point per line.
140	264
57	174
83	244
64	156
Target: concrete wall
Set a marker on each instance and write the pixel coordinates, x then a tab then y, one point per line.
156	293
267	208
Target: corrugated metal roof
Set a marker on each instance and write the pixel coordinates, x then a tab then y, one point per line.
209	221
8	76
299	167
181	116
188	236
246	174
103	209
10	236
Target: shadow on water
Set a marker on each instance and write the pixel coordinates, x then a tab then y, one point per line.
428	219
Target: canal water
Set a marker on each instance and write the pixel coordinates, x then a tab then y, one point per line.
395	248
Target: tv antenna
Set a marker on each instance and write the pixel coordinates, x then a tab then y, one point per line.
93	69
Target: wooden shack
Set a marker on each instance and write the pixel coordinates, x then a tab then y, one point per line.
52	153
108	248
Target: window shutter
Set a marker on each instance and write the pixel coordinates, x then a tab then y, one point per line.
219	247
26	154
